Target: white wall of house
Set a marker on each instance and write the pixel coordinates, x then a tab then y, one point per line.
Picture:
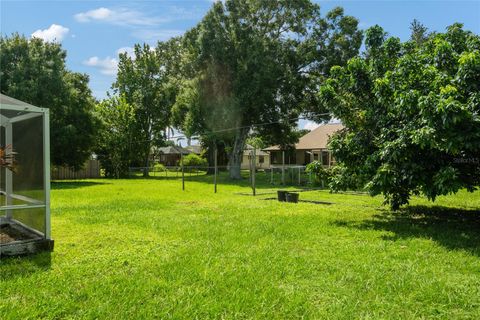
304	157
261	161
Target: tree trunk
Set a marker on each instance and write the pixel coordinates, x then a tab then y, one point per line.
235	157
210	158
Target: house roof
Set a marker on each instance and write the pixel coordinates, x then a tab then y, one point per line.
195	149
173	150
315	139
249	151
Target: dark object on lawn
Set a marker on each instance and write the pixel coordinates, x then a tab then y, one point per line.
292	197
281	195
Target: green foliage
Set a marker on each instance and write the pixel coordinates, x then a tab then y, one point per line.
411	115
114	149
256	142
159	167
194	160
419	32
322	176
147	83
34	71
258	62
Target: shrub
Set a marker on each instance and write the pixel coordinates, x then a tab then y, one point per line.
322	176
193	160
158	167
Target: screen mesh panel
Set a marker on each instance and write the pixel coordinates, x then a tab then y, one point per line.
28	144
2	170
33	218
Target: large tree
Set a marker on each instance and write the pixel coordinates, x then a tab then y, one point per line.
257	65
117	128
34	71
411	115
145	81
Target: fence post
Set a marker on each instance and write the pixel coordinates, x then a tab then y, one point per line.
183	173
215	170
283	167
253	169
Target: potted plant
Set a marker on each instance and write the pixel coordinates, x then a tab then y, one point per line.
281	195
292	197
7	158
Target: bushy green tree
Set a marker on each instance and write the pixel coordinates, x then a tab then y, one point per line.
321	175
34	71
419	32
147	83
114	148
258	62
411	115
194	160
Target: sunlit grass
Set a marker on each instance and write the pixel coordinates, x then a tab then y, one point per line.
143	249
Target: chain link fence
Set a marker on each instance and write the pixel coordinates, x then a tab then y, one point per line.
272	177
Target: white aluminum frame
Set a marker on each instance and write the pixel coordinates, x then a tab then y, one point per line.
32	203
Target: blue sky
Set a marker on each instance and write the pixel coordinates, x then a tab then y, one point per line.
93	32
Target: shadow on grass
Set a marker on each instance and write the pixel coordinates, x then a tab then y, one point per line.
75	184
306	201
452	228
24	266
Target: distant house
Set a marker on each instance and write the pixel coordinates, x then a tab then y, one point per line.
170	156
262	158
310	147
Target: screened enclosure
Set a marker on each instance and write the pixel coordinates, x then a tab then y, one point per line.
24	178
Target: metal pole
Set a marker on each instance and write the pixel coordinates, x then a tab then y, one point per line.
215	170
283	167
46	173
254	168
183	173
8	172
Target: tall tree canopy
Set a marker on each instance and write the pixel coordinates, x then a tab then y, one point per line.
145	82
34	71
419	32
258	62
411	113
117	128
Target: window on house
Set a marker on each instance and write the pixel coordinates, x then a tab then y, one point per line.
261	159
274	157
306	158
325	158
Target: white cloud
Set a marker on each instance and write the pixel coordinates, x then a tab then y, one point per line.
55	33
128	50
157	35
119	16
107	66
310	125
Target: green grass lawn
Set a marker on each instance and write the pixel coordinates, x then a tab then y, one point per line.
143	249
